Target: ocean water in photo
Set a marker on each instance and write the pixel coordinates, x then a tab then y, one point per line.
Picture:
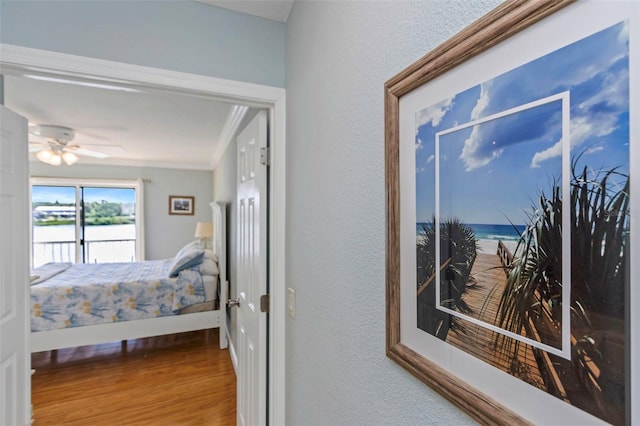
490	232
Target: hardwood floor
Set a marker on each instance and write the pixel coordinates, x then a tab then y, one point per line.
180	379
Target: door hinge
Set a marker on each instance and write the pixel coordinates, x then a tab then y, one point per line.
265	156
265	301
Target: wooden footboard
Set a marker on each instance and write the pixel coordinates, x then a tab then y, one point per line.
104	333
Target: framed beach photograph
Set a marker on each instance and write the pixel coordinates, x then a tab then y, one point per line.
181	204
512	168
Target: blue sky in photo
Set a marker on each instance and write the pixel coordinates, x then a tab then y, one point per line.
66	194
493	172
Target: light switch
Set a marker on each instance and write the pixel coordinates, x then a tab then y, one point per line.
291	302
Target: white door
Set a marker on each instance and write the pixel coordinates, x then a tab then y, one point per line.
252	274
15	359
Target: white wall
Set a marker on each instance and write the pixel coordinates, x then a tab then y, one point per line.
180	35
164	233
339	54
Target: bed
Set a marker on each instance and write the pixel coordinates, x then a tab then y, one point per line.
86	304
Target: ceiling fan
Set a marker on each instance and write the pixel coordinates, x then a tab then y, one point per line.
57	146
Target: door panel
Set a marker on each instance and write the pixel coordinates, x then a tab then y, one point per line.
15	361
252	274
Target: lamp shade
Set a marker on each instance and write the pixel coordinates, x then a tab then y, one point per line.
204	230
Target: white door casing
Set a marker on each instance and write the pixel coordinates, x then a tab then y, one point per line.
252	274
15	361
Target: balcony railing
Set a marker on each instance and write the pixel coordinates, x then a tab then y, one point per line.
96	251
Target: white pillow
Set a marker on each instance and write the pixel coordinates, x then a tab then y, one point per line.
187	259
209	254
193	245
208	267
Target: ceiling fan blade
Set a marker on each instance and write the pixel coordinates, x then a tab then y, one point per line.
87	152
35	146
107	149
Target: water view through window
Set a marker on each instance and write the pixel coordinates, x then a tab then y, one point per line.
83	224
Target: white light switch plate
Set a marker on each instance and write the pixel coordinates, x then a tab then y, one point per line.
291	302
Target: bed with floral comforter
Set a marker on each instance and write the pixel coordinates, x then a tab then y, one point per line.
75	295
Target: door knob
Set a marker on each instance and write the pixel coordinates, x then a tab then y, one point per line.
233	302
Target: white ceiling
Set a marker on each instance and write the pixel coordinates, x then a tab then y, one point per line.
153	128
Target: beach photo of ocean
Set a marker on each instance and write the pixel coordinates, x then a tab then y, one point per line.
522	221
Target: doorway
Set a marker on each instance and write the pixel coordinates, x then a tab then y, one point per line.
271	98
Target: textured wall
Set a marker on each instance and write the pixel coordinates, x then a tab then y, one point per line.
177	35
339	54
164	234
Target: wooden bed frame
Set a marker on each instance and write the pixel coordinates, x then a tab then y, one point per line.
103	333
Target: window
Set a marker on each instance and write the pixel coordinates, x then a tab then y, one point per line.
88	221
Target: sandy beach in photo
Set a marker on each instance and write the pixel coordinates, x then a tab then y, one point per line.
491	246
488	246
488	236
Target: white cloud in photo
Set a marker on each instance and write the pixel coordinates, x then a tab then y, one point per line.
584	127
613	92
431	158
594	150
434	113
623	35
418	144
591	65
595	116
551	152
483	101
473	155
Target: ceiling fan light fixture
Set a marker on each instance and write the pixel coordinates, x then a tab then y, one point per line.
58	148
45	155
48	156
55	160
69	158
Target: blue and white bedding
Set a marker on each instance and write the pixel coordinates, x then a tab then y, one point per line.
91	294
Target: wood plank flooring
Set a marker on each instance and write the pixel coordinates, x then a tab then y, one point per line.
180	379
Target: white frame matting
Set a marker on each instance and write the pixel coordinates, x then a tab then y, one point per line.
103	333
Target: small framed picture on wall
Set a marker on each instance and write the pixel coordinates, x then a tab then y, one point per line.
181	204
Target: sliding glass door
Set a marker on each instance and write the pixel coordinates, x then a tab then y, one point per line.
81	223
55	236
108	225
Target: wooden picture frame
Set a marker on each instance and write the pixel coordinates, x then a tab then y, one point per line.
181	205
512	41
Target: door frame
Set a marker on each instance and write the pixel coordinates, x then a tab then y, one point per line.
269	97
